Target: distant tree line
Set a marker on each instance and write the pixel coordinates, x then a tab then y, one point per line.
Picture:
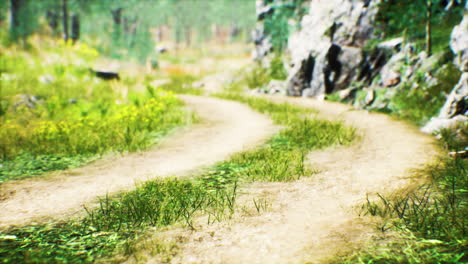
122	28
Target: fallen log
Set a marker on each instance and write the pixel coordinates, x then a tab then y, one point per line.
105	75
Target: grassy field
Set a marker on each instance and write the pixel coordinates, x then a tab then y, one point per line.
55	114
426	224
119	221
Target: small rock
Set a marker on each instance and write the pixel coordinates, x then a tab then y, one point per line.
347	93
459	154
457	102
26	100
393	44
370	97
394	80
308	92
275	87
46	79
161	49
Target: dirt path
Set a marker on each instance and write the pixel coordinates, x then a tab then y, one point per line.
315	218
227	127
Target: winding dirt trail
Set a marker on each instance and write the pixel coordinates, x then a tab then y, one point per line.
315	218
226	127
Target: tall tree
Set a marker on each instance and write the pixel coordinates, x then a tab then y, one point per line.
65	19
75	28
429	27
15	22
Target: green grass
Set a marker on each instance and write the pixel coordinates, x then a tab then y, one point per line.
396	18
115	225
430	220
54	114
181	83
419	104
24	166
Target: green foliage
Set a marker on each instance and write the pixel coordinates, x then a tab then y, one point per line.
408	18
455	139
115	222
434	215
277	70
418	101
181	83
133	37
411	251
27	20
282	159
161	203
59	243
56	115
256	77
277	25
432	212
27	165
118	221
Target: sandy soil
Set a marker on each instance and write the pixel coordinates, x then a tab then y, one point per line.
226	127
315	218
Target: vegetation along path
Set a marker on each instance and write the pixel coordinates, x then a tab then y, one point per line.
314	219
227	127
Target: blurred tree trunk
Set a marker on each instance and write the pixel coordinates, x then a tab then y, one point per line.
15	22
52	20
188	36
160	34
429	28
75	28
117	18
65	19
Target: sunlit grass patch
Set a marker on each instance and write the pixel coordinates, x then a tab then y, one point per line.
181	84
51	105
118	221
431	220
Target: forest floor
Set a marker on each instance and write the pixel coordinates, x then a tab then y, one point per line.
309	220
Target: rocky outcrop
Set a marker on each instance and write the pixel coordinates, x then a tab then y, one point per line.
332	36
459	42
262	41
455	109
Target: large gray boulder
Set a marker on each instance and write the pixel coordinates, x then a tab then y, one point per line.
459	42
262	42
457	101
331	35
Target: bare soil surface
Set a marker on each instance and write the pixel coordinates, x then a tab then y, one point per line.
314	219
226	127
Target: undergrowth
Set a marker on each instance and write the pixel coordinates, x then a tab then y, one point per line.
119	220
181	83
418	101
431	220
55	114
